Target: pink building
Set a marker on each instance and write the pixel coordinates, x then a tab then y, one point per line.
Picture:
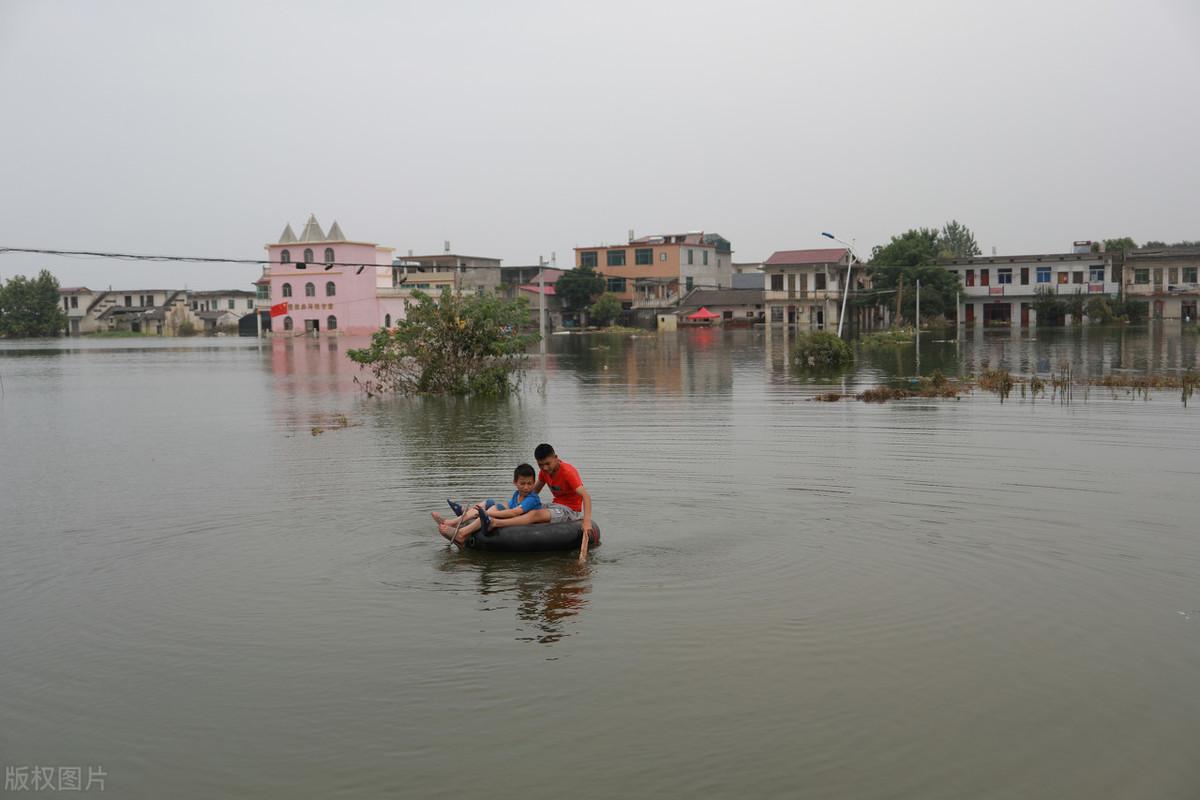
330	283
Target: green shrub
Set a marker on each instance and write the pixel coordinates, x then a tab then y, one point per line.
820	350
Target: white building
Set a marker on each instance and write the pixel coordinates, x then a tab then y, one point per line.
1001	290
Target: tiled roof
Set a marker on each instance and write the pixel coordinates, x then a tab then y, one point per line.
533	287
721	297
791	257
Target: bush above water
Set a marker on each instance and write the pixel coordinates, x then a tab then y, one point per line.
821	351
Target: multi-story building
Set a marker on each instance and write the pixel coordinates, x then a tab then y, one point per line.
156	311
1166	277
803	288
331	283
1002	290
461	273
651	273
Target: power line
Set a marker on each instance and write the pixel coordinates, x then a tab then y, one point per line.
186	259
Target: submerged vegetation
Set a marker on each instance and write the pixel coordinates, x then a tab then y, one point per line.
452	344
821	350
892	337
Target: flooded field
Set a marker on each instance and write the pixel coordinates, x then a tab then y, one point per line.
211	586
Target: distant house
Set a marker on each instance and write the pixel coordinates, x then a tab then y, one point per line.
803	288
472	274
735	306
327	283
651	273
1166	277
532	292
1001	290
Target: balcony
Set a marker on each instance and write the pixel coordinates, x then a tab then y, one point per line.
669	300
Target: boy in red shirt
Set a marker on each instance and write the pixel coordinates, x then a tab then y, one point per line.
571	501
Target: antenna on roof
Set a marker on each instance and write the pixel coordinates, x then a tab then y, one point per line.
631	234
447	246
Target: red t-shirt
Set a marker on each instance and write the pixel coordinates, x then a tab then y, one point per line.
563	484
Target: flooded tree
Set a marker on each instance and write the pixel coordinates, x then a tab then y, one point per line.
453	344
31	307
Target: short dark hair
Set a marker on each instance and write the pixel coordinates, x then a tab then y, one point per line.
523	471
541	451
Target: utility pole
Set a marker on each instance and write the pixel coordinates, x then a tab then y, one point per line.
542	303
899	295
918	314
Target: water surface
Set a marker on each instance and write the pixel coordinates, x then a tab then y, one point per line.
923	599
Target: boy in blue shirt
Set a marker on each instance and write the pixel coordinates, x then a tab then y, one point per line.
459	527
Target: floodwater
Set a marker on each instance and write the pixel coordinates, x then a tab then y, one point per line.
922	599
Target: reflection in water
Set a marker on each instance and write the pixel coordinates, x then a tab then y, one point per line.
549	590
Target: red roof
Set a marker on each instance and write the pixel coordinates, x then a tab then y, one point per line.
789	257
533	287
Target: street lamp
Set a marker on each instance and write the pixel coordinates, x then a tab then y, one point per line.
846	288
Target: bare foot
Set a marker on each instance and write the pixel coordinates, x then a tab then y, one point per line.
445	530
438	518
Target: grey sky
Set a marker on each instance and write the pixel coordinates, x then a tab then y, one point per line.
515	129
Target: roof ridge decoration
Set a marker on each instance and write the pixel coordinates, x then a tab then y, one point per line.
288	236
312	230
335	233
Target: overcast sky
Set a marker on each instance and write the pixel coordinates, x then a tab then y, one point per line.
514	129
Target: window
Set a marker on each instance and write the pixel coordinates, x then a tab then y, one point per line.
330	289
616	258
1024	276
662	256
75	299
970	277
985	276
777	282
287	290
614	285
231	301
1158	276
308	256
310	290
819	281
1004	275
287	323
249	303
1043	274
776	313
328	255
688	285
1141	276
285	257
66	303
129	301
690	254
1077	276
706	258
1189	276
643	256
1064	277
588	259
1172	275
1096	274
387	321
331	323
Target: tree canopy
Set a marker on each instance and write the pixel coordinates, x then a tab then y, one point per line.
453	344
912	256
606	308
1121	245
578	287
957	241
31	307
